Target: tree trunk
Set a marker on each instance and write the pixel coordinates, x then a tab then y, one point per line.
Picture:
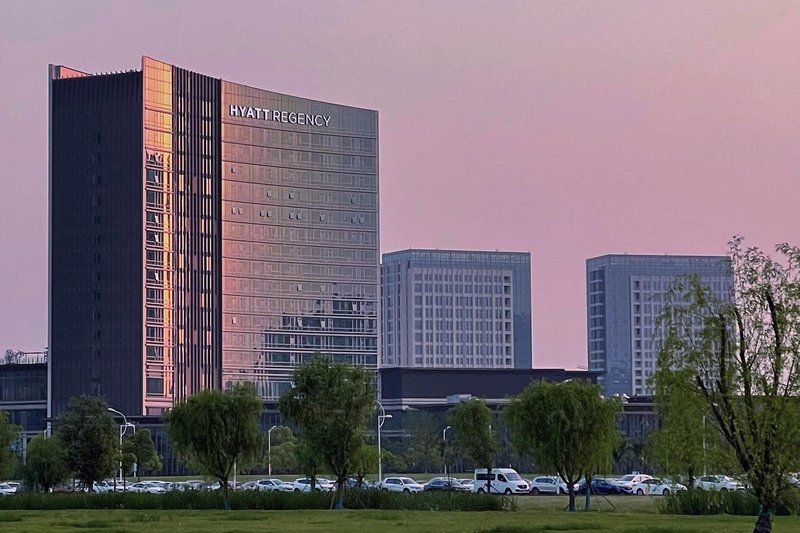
340	493
489	480
588	487
691	477
571	491
764	522
227	503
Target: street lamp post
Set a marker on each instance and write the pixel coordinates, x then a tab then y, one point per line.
704	445
269	451
444	443
381	419
122	429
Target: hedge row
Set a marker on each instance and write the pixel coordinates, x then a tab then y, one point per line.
354	499
705	502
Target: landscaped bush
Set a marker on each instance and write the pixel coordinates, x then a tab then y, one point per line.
251	500
702	502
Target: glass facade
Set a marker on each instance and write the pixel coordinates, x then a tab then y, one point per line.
159	220
625	296
456	309
205	233
300	235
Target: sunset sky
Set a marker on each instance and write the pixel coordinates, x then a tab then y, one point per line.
568	129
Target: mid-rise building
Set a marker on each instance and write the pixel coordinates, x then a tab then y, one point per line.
456	309
624	297
203	233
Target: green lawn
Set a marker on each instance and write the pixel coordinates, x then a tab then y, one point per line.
536	514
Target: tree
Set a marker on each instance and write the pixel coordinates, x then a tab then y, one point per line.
13	356
46	464
140	448
331	404
214	430
471	422
9	433
366	461
89	435
568	428
424	450
743	354
686	443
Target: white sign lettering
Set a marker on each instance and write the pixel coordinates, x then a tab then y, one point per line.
288	117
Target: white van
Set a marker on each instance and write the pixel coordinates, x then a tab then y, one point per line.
501	481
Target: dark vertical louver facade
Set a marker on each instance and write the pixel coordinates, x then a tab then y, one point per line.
96	238
198	238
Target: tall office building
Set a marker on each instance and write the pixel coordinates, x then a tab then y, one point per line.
624	296
456	309
204	233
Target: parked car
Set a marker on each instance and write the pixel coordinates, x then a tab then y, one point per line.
146	487
548	485
303	484
272	484
718	482
7	490
163	484
599	486
500	481
328	484
179	486
445	485
627	482
401	484
656	487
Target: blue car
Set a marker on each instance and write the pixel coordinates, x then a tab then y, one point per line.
600	486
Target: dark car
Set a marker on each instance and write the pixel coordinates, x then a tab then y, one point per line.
600	486
446	485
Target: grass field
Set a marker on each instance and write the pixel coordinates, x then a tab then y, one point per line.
535	514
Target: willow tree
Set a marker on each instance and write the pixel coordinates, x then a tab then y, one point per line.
331	404
568	428
472	426
215	430
743	354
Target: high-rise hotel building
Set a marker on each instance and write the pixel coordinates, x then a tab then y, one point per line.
203	233
625	295
456	309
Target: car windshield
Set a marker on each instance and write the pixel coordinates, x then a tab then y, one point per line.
407	481
629	477
513	476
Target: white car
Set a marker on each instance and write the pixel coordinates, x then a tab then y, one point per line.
548	485
7	490
499	481
627	482
269	485
401	484
656	487
146	487
717	482
303	484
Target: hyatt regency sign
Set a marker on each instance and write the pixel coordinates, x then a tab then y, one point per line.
260	113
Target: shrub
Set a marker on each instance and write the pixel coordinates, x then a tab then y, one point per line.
251	500
705	502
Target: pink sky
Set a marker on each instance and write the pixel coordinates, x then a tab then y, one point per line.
567	129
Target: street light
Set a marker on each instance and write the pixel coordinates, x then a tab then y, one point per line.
122	429
381	419
269	451
704	444
444	443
